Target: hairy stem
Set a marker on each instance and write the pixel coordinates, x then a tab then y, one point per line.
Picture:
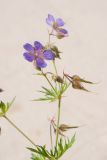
18	129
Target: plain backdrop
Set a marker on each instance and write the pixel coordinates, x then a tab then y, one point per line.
84	53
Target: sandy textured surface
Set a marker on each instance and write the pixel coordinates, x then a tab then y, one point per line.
84	53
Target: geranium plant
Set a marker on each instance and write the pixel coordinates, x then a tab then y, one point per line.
39	54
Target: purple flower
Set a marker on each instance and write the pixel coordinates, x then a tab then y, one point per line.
57	24
37	54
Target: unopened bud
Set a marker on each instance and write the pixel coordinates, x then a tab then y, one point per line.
57	79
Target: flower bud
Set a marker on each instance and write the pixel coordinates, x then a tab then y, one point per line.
57	79
64	127
56	51
77	82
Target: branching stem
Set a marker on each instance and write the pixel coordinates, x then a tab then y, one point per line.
48	81
19	130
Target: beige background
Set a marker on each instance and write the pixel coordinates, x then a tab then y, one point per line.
84	53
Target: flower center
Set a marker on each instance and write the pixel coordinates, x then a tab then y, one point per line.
37	54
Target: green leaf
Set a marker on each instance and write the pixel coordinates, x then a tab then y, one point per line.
52	95
49	95
5	107
37	157
9	104
41	153
64	87
2	108
41	150
63	147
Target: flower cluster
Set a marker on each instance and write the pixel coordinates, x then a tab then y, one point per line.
38	53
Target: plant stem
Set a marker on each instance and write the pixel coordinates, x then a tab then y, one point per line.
49	81
51	137
56	74
49	33
49	39
19	130
58	119
55	67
